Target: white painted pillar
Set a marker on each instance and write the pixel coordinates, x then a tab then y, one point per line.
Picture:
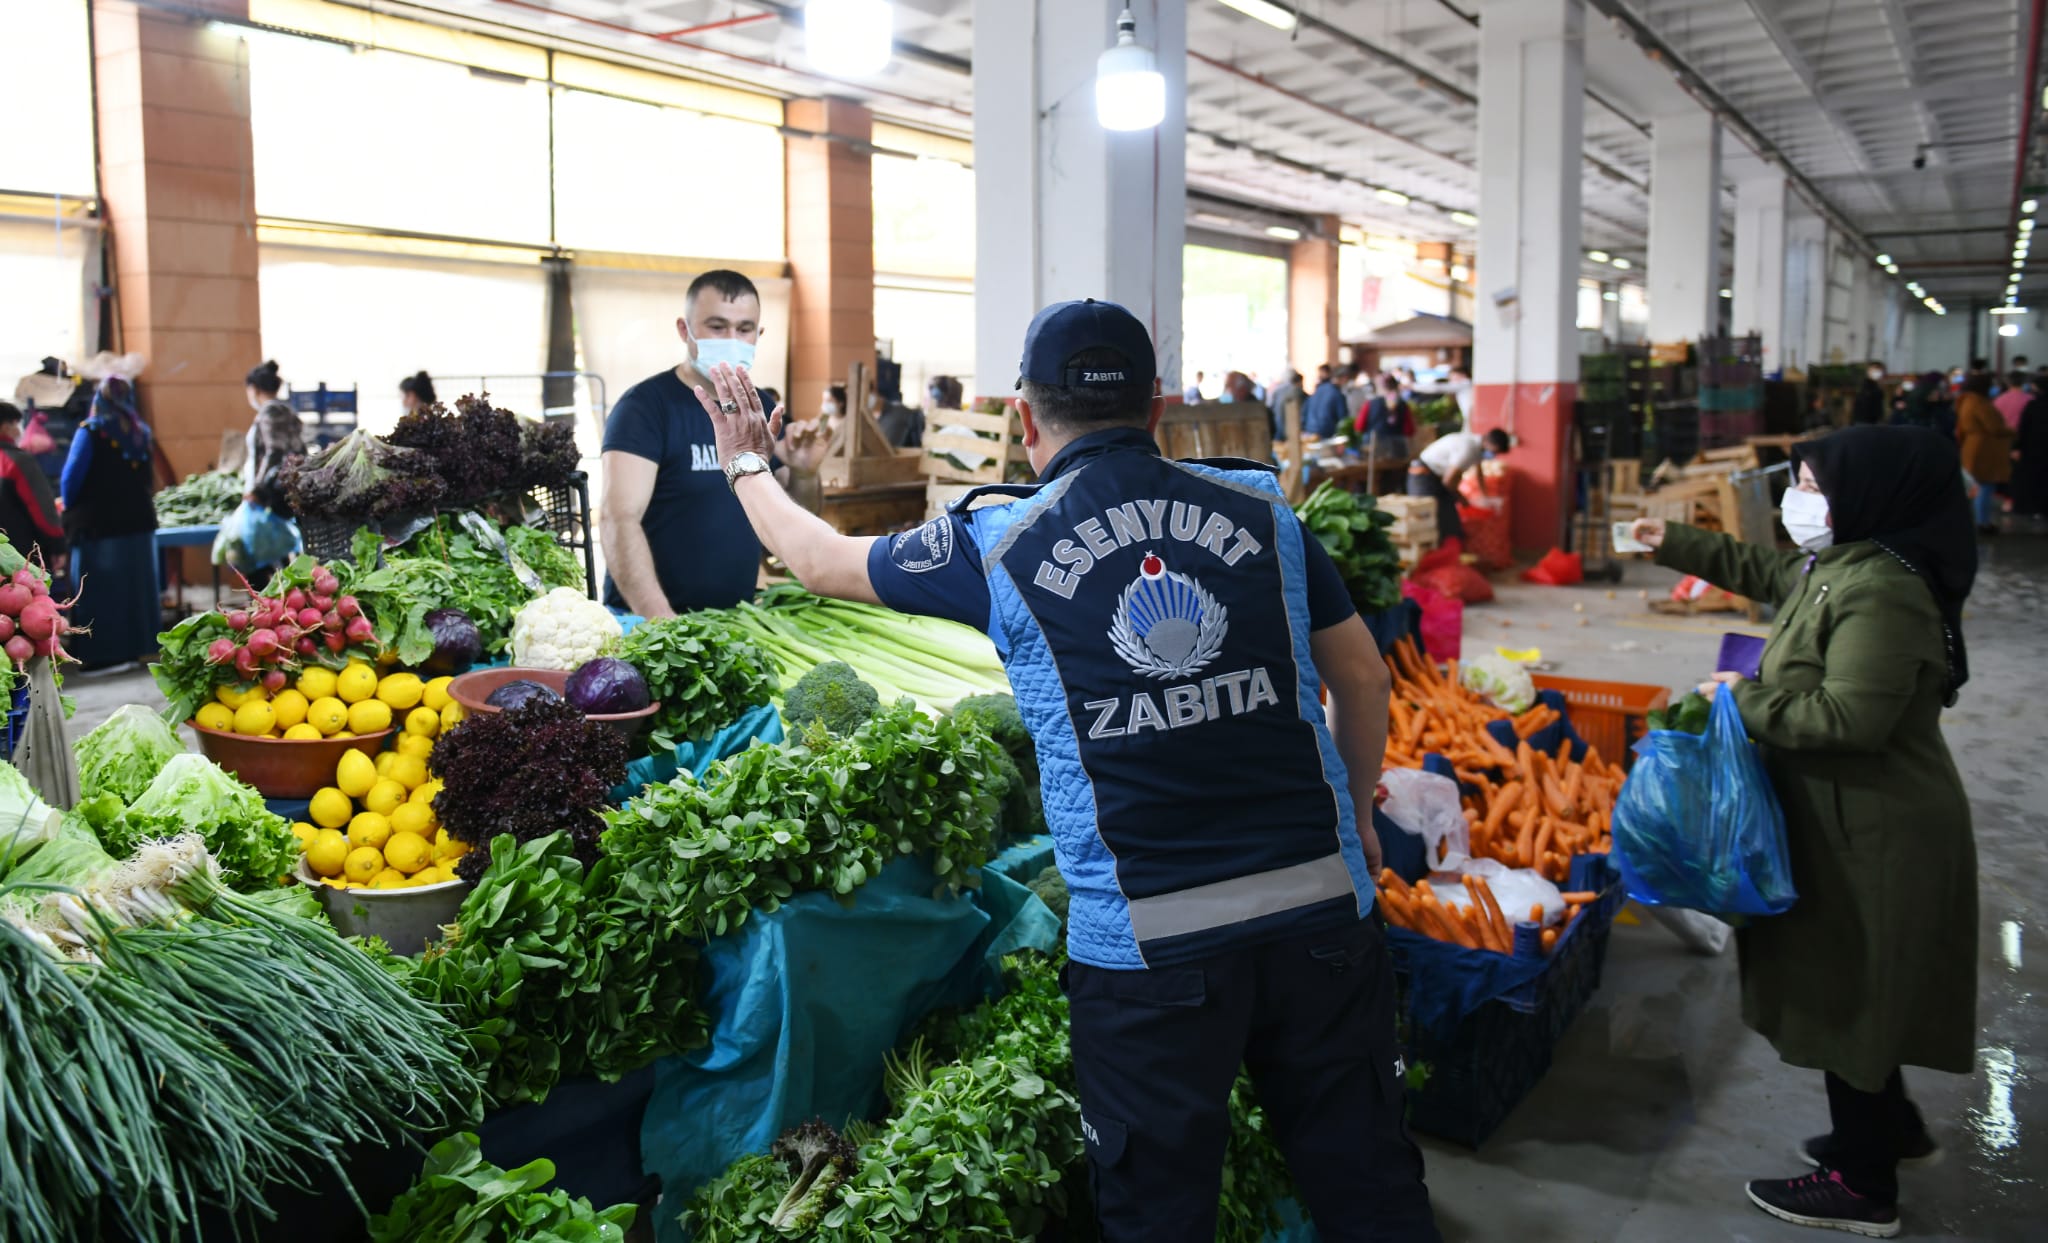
1759	261
1806	288
1062	207
1684	280
1532	98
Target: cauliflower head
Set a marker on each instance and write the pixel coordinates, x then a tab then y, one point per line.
561	630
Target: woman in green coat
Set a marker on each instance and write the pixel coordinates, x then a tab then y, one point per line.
1875	965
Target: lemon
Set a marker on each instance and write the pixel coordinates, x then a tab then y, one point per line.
369	828
452	715
363	863
408	852
409	771
327	714
316	683
302	732
356	683
330	808
384	797
369	716
389	878
400	690
304	832
435	694
234	696
290	707
426	791
355	774
417	745
216	716
412	818
423	721
342	733
254	717
327	852
385	759
446	849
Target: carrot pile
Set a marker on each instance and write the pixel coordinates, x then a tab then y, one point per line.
1480	924
1524	807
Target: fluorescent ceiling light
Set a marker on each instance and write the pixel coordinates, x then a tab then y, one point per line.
1622	263
1465	218
1395	197
1892	268
1282	232
2029	206
1883	259
2027	226
1271	14
1610	296
2008	330
1727	293
2008	310
1460	272
1130	92
1598	256
849	38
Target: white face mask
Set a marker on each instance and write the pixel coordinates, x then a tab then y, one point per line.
1806	519
731	350
1877	376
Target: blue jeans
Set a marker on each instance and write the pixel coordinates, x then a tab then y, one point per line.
1986	505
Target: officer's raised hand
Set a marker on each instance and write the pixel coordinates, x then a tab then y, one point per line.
736	419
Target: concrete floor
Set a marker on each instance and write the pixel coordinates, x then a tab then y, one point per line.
1660	1103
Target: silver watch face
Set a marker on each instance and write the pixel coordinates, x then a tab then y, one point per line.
748	463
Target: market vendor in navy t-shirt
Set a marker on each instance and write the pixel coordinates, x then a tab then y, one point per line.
675	539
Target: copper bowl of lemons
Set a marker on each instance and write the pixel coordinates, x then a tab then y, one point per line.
289	743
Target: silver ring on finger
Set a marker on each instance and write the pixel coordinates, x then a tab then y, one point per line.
729	407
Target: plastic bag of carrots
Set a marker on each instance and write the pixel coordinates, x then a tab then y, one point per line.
1478	923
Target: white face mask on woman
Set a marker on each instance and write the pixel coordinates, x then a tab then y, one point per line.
1806	519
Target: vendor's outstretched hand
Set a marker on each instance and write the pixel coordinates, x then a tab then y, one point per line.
806	444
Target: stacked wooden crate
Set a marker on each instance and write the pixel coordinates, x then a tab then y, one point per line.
1414	531
992	441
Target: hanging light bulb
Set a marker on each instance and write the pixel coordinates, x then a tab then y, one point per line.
849	38
1130	92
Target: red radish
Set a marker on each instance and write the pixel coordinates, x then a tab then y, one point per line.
295	599
308	645
309	619
359	631
262	644
332	622
274	681
324	581
320	603
19	649
245	663
334	642
348	607
6	627
238	620
52	646
14	598
220	651
39	619
28	578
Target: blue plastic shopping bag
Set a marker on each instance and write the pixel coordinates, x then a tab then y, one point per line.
252	535
1698	825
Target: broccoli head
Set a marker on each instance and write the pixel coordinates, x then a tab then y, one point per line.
997	716
832	695
819	1161
1051	889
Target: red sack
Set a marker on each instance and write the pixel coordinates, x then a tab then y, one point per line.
1486	530
1443	621
1448	554
1460	582
1557	569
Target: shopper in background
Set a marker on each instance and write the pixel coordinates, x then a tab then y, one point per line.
111	523
2030	457
674	537
1986	447
1442	464
1388	420
275	435
1358	391
1875	966
902	426
260	387
1289	389
1220	880
1461	391
416	391
833	406
2013	400
28	505
1193	393
1870	399
1324	410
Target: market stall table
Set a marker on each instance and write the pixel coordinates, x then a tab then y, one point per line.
201	536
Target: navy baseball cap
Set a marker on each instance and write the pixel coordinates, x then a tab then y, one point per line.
1060	333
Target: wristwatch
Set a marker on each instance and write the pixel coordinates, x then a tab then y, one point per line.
743	464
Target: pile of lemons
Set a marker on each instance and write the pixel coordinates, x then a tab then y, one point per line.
375	827
327	704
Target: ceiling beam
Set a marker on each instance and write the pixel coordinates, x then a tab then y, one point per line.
1796	60
1901	35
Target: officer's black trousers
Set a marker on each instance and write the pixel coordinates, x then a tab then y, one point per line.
1312	1018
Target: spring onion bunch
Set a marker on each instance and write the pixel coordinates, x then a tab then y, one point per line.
928	659
168	1045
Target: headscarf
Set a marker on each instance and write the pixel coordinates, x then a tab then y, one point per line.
115	418
1901	488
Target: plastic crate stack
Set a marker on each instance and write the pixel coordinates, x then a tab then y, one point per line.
1731	391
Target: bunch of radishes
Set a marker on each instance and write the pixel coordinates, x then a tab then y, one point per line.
32	621
272	633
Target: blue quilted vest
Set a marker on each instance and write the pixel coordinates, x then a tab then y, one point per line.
1153	617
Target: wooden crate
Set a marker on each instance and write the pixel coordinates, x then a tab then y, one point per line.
1217	429
1414	518
996	454
939	493
860	456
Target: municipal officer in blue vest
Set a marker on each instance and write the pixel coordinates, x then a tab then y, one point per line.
1166	627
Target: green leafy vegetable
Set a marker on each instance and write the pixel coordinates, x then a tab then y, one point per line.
125	753
461	1196
462	561
201	500
934	661
706	671
1353	531
253	845
1023	806
26	821
1689	715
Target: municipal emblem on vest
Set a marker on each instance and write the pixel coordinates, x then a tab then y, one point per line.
1165	625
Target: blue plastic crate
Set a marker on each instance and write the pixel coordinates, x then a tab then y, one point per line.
17	714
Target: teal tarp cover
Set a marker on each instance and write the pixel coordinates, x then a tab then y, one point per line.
804	1002
763	723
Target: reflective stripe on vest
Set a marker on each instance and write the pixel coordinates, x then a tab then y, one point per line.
1241	898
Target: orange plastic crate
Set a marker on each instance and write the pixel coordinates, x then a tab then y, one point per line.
1610	716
